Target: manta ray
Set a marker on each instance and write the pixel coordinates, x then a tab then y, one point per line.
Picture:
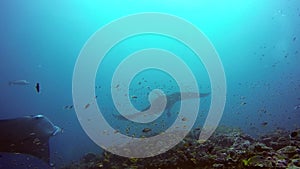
171	100
27	135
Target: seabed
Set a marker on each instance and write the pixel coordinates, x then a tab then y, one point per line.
226	148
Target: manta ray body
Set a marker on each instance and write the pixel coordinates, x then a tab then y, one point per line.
171	100
27	135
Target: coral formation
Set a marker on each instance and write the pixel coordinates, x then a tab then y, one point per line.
226	148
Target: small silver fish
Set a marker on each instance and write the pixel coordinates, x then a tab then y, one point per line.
146	130
19	82
297	107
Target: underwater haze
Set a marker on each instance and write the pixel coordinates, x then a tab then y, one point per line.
258	43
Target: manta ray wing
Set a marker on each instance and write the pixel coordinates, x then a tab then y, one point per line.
27	135
171	100
175	97
38	147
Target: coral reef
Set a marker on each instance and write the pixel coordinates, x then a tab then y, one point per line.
226	148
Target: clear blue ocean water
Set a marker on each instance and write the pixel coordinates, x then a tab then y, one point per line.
257	41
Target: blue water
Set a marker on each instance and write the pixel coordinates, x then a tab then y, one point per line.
258	44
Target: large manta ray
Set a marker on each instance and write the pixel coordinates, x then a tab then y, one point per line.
171	100
27	135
